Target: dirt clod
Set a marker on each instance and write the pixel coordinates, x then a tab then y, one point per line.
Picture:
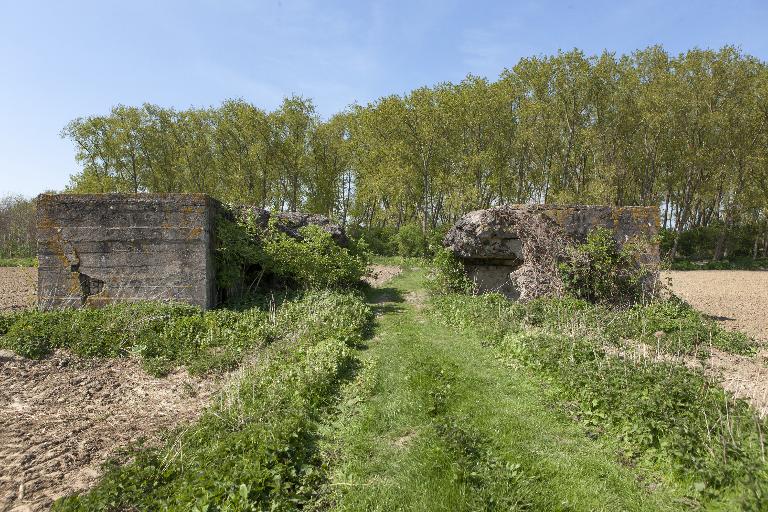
63	416
380	274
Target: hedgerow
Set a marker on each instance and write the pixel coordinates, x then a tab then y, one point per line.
254	448
659	414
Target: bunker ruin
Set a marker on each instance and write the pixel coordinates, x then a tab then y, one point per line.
96	249
515	249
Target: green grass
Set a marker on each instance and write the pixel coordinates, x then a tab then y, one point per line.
19	262
162	335
444	425
733	264
661	417
254	448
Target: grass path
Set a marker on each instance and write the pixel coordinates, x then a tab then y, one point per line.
436	423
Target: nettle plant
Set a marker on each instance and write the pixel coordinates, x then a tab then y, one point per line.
599	271
248	255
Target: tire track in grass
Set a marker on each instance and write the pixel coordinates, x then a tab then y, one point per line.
443	426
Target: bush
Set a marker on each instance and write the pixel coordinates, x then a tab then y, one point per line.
597	271
379	240
410	241
447	274
248	256
314	262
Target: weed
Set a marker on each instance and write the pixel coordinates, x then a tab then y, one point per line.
659	414
255	448
19	262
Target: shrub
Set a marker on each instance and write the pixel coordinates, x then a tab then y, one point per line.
380	240
314	262
247	256
447	274
597	271
410	241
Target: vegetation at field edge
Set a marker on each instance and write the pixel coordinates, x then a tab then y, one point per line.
438	423
18	262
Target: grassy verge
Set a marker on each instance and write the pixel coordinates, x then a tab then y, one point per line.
255	448
18	262
438	423
735	264
162	335
659	416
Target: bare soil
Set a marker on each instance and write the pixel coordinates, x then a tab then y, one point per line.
18	288
738	299
63	416
380	274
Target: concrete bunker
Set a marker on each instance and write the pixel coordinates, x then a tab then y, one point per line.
97	249
515	249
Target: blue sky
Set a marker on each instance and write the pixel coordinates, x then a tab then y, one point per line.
63	59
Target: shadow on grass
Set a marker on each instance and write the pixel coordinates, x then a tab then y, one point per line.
385	300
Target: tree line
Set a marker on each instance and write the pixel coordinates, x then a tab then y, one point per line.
18	238
687	133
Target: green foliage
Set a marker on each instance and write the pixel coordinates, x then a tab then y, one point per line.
535	133
316	261
597	271
247	255
410	241
254	448
675	327
660	414
18	262
18	231
380	240
447	274
727	264
698	244
238	251
162	334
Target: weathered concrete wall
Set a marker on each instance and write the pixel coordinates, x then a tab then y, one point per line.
515	249
102	248
291	223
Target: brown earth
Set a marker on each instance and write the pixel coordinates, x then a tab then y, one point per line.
380	274
18	288
63	416
738	299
